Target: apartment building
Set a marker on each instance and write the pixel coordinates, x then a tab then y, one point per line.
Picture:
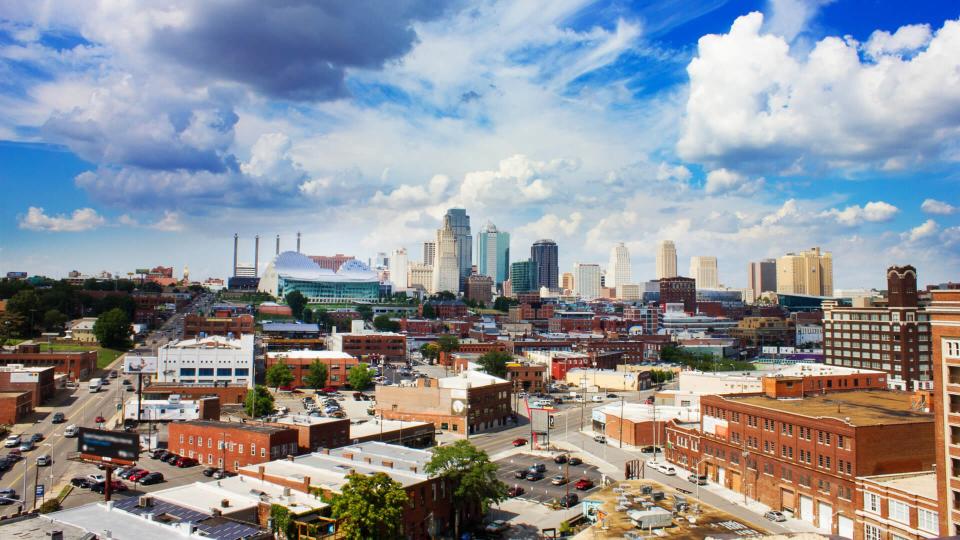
338	365
230	445
944	312
897	507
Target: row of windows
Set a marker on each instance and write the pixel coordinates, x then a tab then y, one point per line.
230	446
898	511
220	372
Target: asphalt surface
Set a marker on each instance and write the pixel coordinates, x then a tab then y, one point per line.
542	491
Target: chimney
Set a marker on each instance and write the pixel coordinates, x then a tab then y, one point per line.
256	255
298	241
260	471
235	241
225	503
215	512
289	458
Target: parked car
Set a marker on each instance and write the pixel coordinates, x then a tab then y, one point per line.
519	442
96	478
14	455
115	485
138	476
597	399
81	482
699	479
612	396
774	515
559	480
36	437
667	469
568	501
575	461
58	418
44	460
8	496
71	431
561	458
220	473
497	527
12	441
171	459
152	478
185	462
158	453
329	390
128	472
26	446
99	420
520	474
583	484
602	439
209	471
126	382
537	467
534	476
516	491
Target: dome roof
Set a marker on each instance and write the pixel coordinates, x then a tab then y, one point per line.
294	265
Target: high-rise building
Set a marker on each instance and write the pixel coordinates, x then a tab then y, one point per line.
545	254
944	313
808	272
679	290
460	223
666	259
446	272
703	270
429	252
762	277
523	276
889	338
398	268
493	252
566	281
586	280
480	289
619	269
420	276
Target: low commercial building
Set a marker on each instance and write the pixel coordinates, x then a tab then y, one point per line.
897	506
198	325
469	402
77	365
82	330
609	380
760	331
369	346
291	330
172	409
326	474
231	445
412	434
526	377
39	381
207	361
15	406
803	455
226	393
315	434
338	365
638	424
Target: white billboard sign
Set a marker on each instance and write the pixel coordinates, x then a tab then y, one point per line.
133	363
24	377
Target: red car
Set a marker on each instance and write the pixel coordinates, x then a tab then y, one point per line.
137	476
185	462
329	390
519	442
584	483
515	491
99	420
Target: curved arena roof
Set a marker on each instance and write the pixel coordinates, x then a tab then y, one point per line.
297	266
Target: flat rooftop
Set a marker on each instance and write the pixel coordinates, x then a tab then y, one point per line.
857	408
376	426
305	420
641	412
242	492
311	355
922	484
245	426
807	369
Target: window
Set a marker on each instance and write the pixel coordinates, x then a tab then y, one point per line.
241	372
927	521
898	511
240	449
181	438
209	458
187	372
209	442
206	372
870	532
224	372
263	452
253	449
871	502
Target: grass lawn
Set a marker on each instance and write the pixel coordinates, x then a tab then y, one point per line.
104	356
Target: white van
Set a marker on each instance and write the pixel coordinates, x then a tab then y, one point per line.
95	385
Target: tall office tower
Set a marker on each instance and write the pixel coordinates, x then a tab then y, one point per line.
493	252
381	261
460	223
704	271
398	268
566	281
545	254
446	271
808	272
523	276
618	269
762	277
666	259
586	280
420	276
429	252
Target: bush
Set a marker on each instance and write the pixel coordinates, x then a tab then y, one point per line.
49	506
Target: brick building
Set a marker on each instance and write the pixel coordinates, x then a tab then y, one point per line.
944	313
315	434
78	366
36	380
469	402
480	289
338	365
897	506
803	455
894	338
390	346
231	445
635	350
226	393
446	309
679	290
15	406
194	325
760	331
645	316
682	444
526	377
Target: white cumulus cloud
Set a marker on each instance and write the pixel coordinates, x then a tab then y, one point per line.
906	39
925	230
873	212
82	219
722	181
941	208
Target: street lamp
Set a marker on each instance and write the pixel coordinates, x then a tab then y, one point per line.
696	472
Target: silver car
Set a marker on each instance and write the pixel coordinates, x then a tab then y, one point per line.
44	460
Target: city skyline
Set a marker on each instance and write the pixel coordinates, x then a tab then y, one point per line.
139	146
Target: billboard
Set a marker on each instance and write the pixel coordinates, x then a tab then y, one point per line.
109	445
134	363
143	271
25	377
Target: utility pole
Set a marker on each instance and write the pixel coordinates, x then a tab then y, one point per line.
621	422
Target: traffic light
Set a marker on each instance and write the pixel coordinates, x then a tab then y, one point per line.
551	419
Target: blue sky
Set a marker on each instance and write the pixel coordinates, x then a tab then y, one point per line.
147	136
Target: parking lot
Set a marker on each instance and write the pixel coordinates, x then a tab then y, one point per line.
542	491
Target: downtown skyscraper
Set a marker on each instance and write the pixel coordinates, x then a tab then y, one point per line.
460	223
619	268
446	273
493	253
666	259
546	255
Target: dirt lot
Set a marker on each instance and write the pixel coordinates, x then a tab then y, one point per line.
700	521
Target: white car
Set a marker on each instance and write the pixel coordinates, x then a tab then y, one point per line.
597	399
96	478
12	441
662	466
71	431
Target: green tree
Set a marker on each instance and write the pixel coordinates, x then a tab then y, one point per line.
430	351
27	304
444	295
279	375
112	329
307	315
322	318
428	312
259	402
502	303
297	301
54	320
495	362
359	376
473	476
371	506
384	323
365	311
151	286
448	344
316	375
11	326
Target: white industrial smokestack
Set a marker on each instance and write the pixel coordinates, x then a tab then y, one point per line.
235	240
298	241
278	245
256	255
